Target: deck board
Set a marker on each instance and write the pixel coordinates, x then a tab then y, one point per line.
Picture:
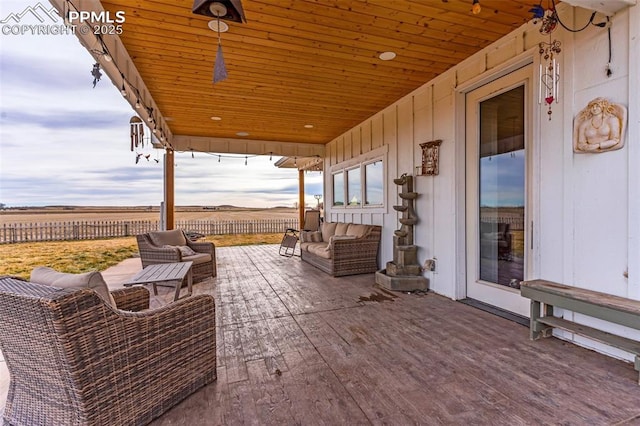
297	346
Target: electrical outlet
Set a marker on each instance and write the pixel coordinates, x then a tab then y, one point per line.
430	265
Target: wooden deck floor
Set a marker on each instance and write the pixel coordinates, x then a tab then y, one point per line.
296	346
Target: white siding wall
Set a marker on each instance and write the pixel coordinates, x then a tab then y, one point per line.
586	206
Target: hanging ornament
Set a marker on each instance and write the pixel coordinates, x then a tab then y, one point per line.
549	21
137	133
95	72
219	68
537	12
549	73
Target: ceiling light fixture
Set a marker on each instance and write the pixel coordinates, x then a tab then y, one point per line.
475	7
232	9
308	126
217	26
242	134
387	56
216	118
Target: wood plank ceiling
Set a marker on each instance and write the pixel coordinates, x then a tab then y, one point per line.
301	62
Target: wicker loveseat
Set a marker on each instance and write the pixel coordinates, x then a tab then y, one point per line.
74	359
342	248
170	246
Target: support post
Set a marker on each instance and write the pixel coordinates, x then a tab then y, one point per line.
169	189
301	198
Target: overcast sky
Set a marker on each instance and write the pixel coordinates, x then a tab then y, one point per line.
63	142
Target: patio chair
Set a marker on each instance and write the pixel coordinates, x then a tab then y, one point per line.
74	359
290	238
174	246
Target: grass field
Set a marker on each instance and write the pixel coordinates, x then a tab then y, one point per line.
94	255
83	256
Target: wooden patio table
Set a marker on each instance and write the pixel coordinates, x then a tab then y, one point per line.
165	274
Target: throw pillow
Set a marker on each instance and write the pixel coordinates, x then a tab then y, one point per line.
184	250
93	280
174	237
328	230
341	228
358	230
338	238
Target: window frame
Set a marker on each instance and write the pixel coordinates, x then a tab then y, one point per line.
366	181
348	194
360	163
333	189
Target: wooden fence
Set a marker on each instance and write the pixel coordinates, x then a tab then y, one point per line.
60	231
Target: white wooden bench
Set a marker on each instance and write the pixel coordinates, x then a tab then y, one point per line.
545	295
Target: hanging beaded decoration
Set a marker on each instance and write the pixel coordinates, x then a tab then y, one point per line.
549	73
549	67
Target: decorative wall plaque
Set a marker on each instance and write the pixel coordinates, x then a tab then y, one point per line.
430	158
599	127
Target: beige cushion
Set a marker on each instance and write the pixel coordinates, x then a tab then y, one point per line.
93	280
316	237
319	249
198	258
328	230
304	246
341	228
357	230
340	237
310	236
174	237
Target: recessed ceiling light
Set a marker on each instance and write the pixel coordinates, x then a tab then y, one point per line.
219	27
387	56
242	134
308	126
216	118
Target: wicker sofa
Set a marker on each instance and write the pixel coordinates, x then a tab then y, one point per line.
169	247
342	248
74	359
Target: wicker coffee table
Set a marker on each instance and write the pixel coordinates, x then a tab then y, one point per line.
171	274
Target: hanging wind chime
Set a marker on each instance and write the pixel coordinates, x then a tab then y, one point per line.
549	67
137	132
219	67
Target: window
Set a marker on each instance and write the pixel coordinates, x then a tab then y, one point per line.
373	175
360	184
338	189
354	187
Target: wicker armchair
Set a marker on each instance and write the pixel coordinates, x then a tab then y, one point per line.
75	360
165	247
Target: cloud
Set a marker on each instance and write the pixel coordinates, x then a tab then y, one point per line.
64	142
65	120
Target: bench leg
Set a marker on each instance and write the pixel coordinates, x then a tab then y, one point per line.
536	328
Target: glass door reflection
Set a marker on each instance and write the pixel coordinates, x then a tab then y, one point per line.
502	188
